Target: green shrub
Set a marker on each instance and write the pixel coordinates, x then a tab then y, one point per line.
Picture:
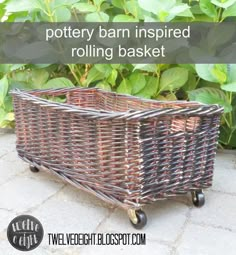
212	83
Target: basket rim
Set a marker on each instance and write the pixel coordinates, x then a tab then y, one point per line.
192	108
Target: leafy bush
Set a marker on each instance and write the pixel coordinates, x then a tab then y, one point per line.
213	83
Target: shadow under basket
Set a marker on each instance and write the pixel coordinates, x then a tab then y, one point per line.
125	150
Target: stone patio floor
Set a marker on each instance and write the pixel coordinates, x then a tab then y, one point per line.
174	226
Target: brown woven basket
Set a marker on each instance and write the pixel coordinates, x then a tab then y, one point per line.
124	149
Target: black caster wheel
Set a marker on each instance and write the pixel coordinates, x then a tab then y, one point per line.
198	198
137	218
34	169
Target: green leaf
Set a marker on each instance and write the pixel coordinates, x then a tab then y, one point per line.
208	8
163	67
2	117
58	3
85	7
148	18
31	78
133	8
10	116
232	73
5	68
97	17
230	12
195	9
39	66
219	71
94	75
203	18
150	89
98	2
4	85
146	67
173	78
167	14
112	77
154	6
57	99
231	87
164	16
2	11
8	106
186	13
210	95
223	3
22	5
17	66
58	83
24	76
149	5
19	16
13	84
118	3
105	69
137	81
125	87
169	97
177	10
62	14
228	136
166	10
191	84
124	18
190	67
204	72
104	85
6	118
39	77
234	116
115	66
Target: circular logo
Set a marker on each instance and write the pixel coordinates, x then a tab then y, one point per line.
25	233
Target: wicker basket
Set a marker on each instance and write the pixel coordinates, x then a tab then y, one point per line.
123	149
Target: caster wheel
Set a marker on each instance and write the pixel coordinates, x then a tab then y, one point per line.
198	198
34	169
137	218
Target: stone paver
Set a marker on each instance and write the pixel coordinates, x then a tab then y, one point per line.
162	216
71	193
66	216
60	216
225	173
41	176
6	217
7	143
199	240
9	170
22	193
174	227
151	247
12	157
219	210
7	249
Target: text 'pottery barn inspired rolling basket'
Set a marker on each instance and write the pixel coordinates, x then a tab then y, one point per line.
125	150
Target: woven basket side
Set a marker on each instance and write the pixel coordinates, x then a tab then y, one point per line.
212	137
101	155
177	159
119	103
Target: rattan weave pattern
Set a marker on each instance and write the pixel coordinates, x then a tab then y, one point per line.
124	149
